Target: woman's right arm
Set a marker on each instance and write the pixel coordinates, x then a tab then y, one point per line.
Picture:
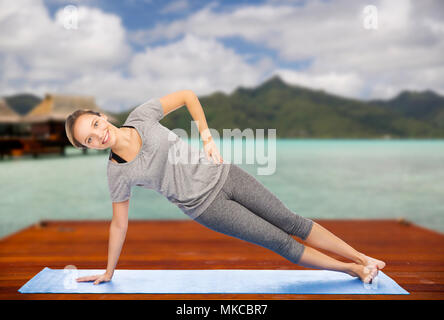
117	234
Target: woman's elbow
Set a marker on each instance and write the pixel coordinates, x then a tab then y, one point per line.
189	94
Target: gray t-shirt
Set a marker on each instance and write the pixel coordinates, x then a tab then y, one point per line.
167	164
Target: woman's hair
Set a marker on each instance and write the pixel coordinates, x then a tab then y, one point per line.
69	126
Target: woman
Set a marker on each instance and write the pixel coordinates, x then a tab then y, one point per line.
218	195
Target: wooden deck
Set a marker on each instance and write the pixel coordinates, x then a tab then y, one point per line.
414	255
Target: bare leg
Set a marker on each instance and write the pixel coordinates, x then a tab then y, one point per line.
312	258
321	238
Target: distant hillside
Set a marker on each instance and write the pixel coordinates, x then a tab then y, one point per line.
301	112
296	111
426	106
22	103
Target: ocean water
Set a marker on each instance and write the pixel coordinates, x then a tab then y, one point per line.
316	178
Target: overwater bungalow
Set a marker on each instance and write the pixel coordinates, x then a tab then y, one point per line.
8	119
9	128
45	125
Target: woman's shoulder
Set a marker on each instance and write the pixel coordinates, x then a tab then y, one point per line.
149	111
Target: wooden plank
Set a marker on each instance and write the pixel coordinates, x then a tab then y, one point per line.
414	255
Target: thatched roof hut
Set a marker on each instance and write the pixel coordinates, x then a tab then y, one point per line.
55	107
7	115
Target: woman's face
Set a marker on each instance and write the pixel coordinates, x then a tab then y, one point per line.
94	132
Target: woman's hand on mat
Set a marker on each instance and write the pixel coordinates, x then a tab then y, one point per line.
97	278
211	151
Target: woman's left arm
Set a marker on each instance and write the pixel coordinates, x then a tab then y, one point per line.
175	100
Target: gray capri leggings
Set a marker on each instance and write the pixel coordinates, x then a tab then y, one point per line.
244	208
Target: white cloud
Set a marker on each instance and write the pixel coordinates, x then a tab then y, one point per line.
11	67
175	6
96	59
195	63
345	84
409	39
48	48
37	54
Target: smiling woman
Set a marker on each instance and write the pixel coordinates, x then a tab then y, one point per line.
216	194
69	126
87	129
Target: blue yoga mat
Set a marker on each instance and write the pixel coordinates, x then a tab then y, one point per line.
210	281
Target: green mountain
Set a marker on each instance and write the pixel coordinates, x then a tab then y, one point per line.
426	106
22	103
296	111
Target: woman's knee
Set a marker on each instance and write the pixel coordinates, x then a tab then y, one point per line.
301	227
291	249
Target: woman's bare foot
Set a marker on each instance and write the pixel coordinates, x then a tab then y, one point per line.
369	261
365	273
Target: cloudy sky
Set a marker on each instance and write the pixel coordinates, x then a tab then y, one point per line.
125	52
